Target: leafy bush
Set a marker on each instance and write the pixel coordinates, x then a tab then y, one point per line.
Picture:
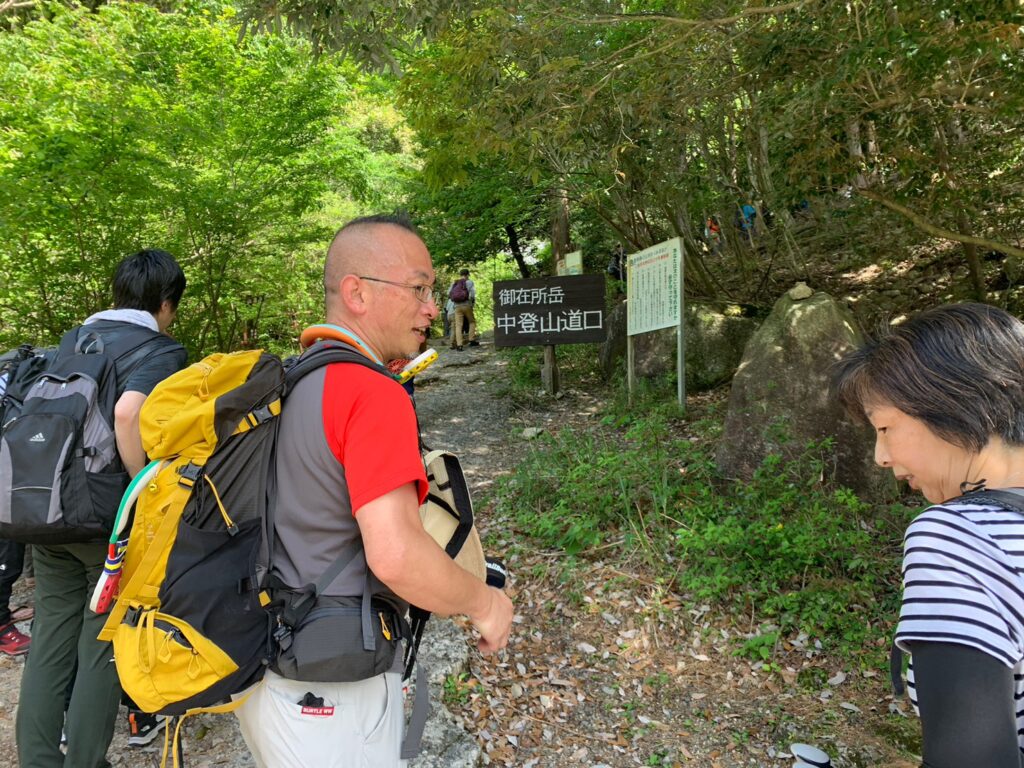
577	365
790	548
574	488
783	546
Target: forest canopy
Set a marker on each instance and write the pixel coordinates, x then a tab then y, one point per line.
238	137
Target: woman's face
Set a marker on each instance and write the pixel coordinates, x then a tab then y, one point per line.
916	454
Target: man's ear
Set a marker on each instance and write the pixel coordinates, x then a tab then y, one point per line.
353	296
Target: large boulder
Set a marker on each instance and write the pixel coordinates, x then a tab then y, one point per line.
715	339
780	397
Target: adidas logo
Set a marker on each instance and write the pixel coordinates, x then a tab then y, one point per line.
37	438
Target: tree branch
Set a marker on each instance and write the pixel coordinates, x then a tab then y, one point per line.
621	18
924	225
13	5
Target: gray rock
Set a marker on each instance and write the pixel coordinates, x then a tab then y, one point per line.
444	650
714	338
532	432
780	397
613	350
445	743
800	291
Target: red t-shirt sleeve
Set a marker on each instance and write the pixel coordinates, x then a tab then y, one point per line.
371	429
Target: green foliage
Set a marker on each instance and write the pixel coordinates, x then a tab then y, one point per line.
791	549
759	647
651	122
458	689
782	547
129	128
577	365
574	489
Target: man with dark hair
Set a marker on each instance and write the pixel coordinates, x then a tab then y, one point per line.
147	287
148	279
350	478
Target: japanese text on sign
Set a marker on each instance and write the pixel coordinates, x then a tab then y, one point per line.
653	286
542	295
552	310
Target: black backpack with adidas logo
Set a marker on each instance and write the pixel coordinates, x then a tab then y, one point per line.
61	477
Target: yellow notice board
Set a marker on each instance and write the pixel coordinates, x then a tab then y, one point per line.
654	287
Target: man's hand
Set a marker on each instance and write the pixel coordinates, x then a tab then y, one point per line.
406	559
496	623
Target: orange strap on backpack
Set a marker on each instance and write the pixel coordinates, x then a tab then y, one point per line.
315	333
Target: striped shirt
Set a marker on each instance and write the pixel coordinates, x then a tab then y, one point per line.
963	584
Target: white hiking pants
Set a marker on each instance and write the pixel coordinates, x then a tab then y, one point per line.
360	725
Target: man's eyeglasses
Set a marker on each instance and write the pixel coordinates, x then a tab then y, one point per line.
424	293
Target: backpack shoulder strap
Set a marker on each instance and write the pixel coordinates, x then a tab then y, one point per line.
1011	499
82	339
324	353
296	368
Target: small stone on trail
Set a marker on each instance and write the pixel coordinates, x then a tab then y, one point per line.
531	432
800	291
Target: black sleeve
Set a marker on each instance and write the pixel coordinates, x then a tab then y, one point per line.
157	366
968	712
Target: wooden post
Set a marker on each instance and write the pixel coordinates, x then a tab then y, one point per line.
680	335
549	371
630	375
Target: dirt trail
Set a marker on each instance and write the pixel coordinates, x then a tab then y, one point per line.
606	667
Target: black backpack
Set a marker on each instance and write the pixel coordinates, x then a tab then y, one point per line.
61	477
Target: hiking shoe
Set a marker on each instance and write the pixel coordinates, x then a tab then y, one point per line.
13	642
474	343
144	727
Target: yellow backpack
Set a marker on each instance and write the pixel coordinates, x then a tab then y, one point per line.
189	627
196	619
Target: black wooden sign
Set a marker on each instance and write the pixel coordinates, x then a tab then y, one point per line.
549	310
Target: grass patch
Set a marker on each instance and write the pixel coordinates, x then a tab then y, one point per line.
783	547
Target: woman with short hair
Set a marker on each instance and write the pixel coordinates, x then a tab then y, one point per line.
944	392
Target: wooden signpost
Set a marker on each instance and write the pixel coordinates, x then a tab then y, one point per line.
547	311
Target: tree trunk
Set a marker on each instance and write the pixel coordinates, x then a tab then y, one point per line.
699	278
560	242
856	152
963	224
516	251
971	253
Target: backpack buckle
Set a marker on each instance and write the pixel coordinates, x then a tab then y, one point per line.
189	474
257	416
283	636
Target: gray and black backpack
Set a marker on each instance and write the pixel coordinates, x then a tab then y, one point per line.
61	477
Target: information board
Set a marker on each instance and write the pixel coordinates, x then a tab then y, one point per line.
549	310
573	263
653	287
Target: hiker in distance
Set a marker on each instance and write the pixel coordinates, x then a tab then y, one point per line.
350	477
147	287
462	294
944	392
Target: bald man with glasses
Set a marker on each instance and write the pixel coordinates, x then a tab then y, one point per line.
349	474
